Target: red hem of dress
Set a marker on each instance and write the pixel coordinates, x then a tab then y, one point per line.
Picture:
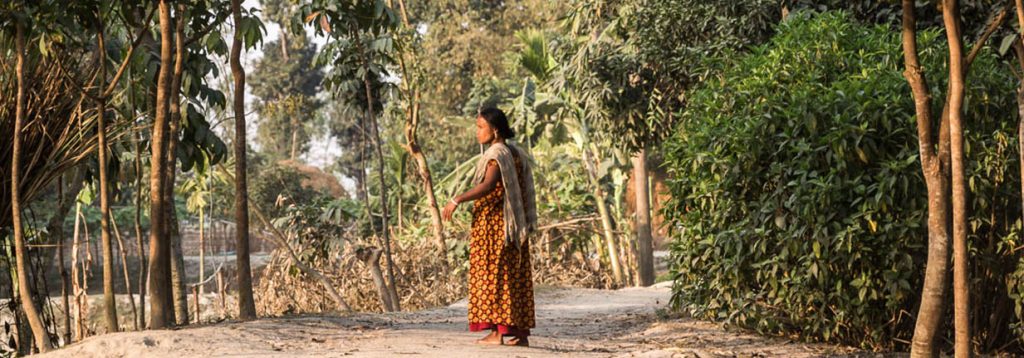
501	328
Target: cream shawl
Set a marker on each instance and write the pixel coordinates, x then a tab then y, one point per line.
520	200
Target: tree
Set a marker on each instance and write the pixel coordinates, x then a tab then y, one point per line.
412	81
42	338
364	26
943	169
287	87
631	73
961	304
103	153
246	29
161	300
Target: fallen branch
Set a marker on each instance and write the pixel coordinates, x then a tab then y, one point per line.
283	242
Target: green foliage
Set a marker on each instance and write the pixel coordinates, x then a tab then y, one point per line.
317	227
287	90
797	194
632	70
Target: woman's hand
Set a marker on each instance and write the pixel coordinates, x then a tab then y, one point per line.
449	209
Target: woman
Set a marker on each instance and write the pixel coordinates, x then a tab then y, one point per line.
504	212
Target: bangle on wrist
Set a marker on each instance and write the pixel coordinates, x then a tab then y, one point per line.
453	201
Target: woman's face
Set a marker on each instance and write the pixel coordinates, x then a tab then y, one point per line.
484	132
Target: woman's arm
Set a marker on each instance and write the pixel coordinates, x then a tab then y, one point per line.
491	178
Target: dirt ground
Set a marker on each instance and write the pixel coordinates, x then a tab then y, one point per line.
570	322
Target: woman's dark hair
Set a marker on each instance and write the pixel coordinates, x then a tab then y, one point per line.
497	119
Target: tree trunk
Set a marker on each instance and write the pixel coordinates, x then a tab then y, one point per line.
645	250
58	231
1019	49
178	276
161	301
202	254
961	295
59	237
606	220
393	290
109	301
42	339
140	245
246	304
124	269
364	193
933	166
436	224
76	286
371	257
412	145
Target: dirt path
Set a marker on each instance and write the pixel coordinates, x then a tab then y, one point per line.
570	322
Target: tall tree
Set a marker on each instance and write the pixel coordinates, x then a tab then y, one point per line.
635	61
109	303
935	164
286	85
103	93
356	25
246	304
161	301
287	89
412	79
140	245
961	301
178	292
943	168
28	305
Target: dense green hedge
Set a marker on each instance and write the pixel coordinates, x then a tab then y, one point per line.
799	206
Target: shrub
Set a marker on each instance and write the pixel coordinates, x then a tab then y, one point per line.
799	207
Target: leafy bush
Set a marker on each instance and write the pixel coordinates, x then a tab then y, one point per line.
799	206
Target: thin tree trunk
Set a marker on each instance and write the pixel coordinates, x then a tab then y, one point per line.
961	295
1019	49
929	316
58	230
202	254
178	274
140	319
412	146
59	237
365	192
161	301
393	290
436	224
76	286
140	246
645	251
109	301
246	304
42	339
124	268
606	220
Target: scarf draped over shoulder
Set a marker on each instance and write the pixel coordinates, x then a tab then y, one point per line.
520	208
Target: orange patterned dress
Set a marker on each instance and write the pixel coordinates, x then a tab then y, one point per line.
500	277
